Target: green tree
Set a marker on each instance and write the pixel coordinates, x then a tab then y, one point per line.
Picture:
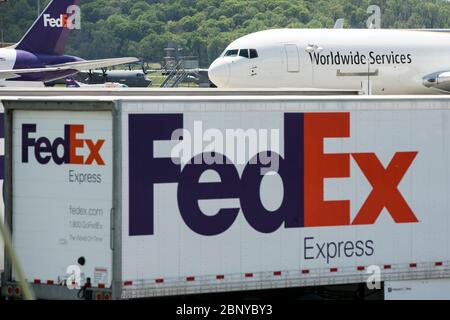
112	28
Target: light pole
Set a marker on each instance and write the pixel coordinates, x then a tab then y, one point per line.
1	30
38	7
2	2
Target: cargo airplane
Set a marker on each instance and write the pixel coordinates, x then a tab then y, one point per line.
379	61
39	56
72	83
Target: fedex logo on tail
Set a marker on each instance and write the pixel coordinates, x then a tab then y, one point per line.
69	20
45	150
303	169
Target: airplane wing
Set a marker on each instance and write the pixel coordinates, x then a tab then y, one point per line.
78	65
96	64
5	74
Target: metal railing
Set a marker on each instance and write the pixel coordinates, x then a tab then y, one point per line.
281	279
173	73
177	72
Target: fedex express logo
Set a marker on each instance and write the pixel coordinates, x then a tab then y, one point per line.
69	20
302	170
45	150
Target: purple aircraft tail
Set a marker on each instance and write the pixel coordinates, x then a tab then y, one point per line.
50	32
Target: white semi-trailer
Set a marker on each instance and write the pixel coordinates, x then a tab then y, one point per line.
133	197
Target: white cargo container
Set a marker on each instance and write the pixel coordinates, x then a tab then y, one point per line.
127	192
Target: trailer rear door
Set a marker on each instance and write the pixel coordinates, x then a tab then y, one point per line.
62	194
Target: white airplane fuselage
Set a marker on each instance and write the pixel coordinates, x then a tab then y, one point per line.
7	58
387	61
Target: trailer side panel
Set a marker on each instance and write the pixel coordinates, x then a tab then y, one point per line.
62	194
350	185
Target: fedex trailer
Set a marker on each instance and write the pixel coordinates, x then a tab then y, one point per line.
136	197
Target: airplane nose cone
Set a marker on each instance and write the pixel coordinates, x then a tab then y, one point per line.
219	73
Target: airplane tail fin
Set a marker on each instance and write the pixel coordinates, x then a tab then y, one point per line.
50	32
71	83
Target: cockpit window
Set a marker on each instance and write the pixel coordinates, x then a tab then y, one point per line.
253	54
243	53
231	53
